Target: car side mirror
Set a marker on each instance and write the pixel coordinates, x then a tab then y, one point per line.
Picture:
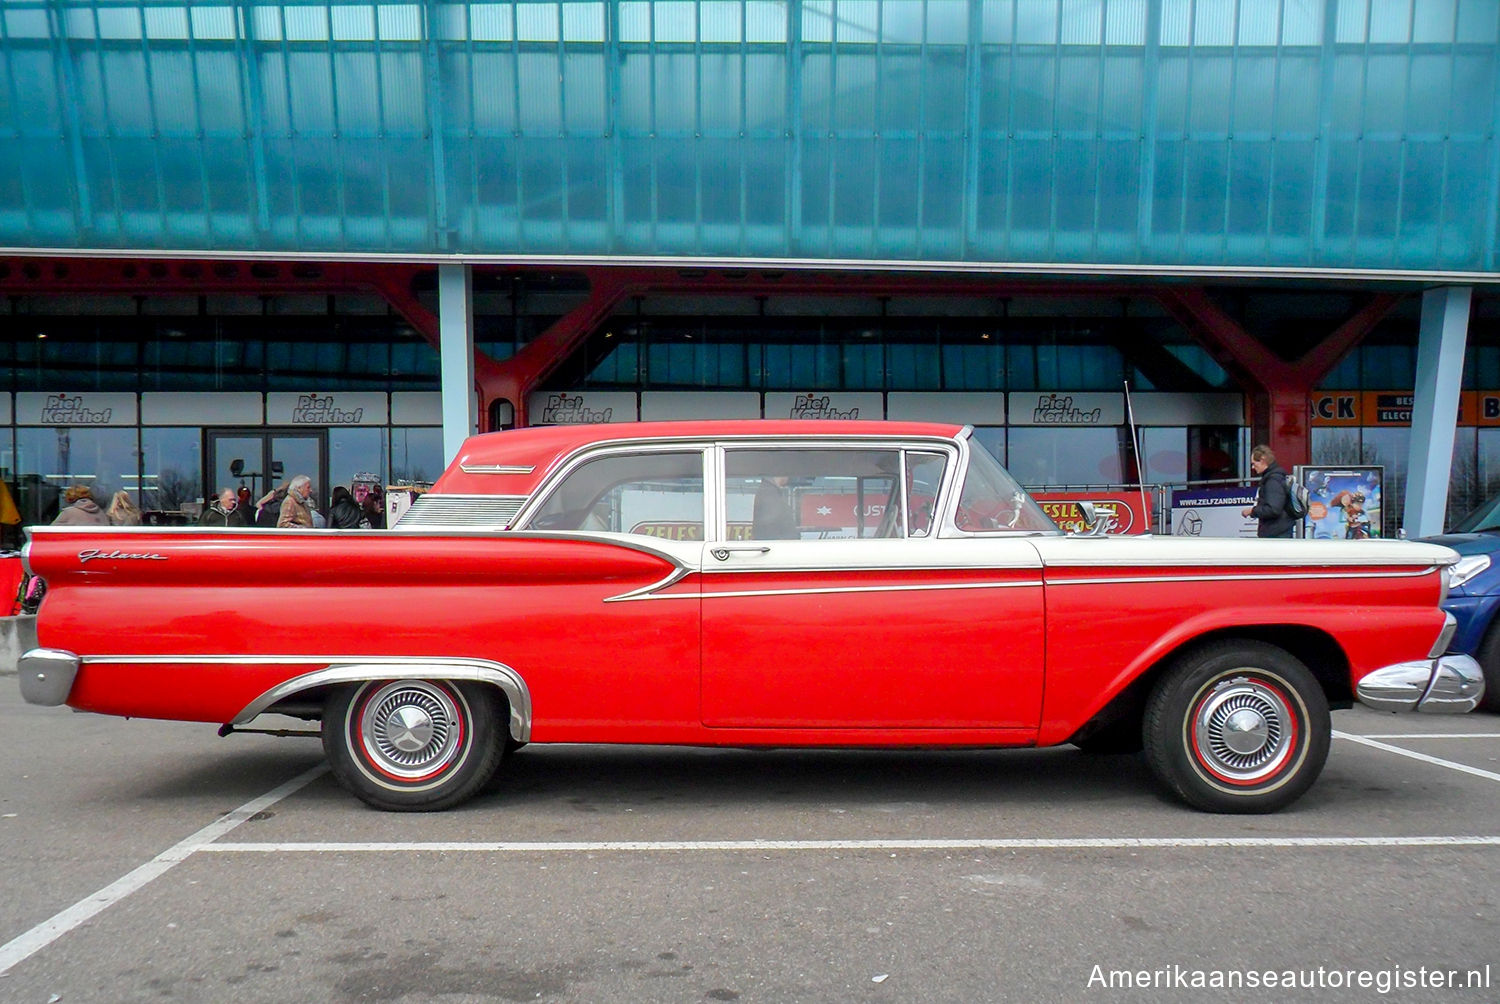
1096	522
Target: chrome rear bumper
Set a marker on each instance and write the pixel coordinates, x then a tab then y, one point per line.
47	675
1449	684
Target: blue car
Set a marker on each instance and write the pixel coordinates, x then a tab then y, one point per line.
1474	592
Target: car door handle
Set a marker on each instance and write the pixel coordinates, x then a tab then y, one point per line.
723	553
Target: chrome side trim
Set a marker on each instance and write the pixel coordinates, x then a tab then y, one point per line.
480	670
496	468
352	669
644	593
1450	628
813	591
47	676
1250	577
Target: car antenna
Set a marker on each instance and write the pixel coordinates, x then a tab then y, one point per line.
1135	448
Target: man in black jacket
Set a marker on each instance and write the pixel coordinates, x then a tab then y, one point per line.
225	511
1270	507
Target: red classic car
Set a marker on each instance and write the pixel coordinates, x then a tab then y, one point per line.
746	584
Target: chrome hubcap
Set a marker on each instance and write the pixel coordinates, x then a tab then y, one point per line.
1243	730
1246	731
411	728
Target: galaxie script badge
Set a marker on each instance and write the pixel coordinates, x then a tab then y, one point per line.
89	554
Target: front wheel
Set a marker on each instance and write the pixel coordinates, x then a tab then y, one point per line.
413	745
1488	657
1238	727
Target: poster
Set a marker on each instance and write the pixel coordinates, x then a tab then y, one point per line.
1343	503
1127	512
1213	512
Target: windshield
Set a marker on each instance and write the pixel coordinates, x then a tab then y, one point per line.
991	500
1485	519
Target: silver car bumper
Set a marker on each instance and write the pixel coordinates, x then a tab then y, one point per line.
47	675
1449	684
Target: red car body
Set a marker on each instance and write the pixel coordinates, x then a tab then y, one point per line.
917	610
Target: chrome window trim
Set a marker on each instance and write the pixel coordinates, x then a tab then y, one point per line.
950	526
596	451
497	468
900	444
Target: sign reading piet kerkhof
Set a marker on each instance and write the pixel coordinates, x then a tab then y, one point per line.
819	406
1058	409
1062	408
63	409
315	409
571	409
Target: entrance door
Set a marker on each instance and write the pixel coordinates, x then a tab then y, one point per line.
261	459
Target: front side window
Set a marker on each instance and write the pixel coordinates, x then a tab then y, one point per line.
656	494
991	500
826	494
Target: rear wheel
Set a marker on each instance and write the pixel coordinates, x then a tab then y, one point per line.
1238	727
413	745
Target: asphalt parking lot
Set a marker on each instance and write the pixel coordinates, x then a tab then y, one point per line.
155	861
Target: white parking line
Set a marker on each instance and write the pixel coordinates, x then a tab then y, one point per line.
981	843
1451	765
1433	735
48	931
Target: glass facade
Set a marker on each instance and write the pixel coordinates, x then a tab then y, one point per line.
853	352
133	394
1296	133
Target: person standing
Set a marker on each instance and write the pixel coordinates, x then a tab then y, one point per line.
1270	510
297	508
225	511
374	508
80	509
122	511
268	509
344	514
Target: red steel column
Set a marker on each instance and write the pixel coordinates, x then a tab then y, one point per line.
514	379
1278	389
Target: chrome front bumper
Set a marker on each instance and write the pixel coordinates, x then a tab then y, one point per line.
47	676
1449	684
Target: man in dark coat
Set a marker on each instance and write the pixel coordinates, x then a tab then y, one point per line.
225	511
1270	508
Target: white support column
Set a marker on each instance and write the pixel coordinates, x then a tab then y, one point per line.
456	351
1434	413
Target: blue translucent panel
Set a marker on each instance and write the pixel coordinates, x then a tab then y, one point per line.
913	366
1237	135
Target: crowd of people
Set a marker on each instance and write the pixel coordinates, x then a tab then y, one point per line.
290	504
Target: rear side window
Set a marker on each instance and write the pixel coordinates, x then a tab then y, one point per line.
656	494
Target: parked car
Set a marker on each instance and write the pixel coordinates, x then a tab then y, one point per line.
1474	593
761	584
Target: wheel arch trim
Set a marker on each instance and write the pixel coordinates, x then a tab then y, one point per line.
498	675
